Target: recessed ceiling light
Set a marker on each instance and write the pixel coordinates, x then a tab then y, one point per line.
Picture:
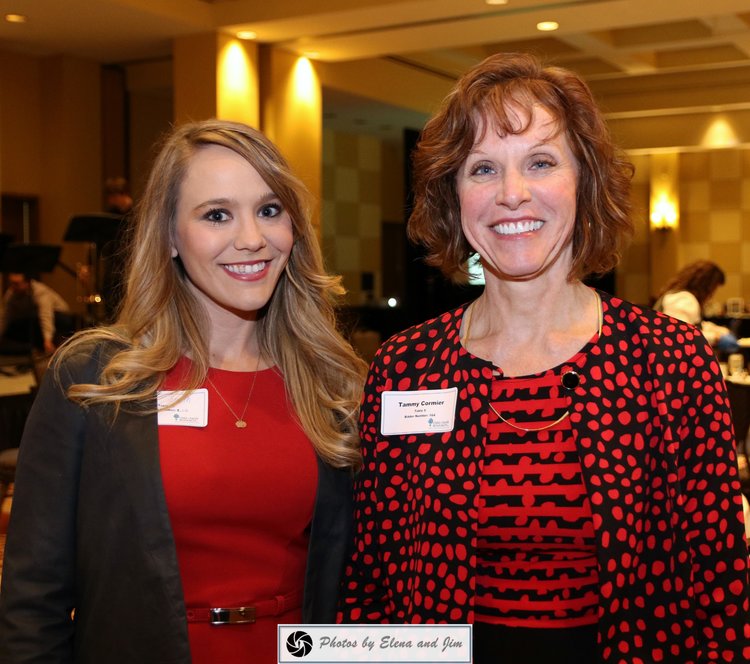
16	18
547	26
496	2
247	34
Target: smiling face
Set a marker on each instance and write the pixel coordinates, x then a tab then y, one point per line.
232	234
517	194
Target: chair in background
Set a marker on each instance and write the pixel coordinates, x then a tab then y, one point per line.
19	380
8	460
739	400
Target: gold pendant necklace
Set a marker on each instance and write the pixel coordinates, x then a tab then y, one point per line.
239	421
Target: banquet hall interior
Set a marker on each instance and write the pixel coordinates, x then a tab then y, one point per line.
343	88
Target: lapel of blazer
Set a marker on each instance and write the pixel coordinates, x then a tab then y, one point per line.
134	449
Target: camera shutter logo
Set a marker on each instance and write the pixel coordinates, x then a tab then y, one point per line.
299	644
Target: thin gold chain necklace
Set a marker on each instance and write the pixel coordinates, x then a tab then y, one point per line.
600	316
530	429
239	421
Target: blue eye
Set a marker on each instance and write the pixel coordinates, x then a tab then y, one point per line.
542	163
482	169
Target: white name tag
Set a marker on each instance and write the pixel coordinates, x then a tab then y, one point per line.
192	411
417	411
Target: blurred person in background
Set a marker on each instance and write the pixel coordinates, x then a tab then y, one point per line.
119	201
685	297
117	197
33	316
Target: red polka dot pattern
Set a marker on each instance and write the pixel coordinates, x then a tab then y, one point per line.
654	436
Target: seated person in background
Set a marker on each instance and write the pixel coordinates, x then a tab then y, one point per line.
687	293
117	198
30	315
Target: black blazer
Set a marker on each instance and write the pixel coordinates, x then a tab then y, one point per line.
90	531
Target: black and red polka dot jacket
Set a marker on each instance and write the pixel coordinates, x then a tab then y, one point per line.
654	434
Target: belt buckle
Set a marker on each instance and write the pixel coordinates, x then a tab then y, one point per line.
233	616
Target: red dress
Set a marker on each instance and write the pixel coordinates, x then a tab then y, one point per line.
240	502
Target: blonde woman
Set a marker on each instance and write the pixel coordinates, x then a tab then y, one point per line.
186	531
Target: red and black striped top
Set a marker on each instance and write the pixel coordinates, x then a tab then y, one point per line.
537	562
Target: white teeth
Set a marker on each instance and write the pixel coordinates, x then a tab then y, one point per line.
516	227
245	268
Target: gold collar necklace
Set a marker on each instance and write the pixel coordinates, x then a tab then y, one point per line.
574	378
240	422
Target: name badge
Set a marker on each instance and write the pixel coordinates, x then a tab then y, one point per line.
192	411
417	411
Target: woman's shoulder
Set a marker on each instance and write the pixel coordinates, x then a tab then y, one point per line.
644	325
84	355
420	344
626	311
444	324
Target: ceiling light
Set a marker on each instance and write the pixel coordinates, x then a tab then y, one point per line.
496	2
15	18
247	34
547	26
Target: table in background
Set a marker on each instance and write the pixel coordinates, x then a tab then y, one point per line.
738	389
17	392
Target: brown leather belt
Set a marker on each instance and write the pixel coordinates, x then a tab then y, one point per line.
238	615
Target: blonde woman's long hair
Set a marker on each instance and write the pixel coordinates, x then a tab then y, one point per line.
160	320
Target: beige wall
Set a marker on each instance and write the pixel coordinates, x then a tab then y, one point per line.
151	113
715	215
50	145
292	115
352	209
387	82
714	202
215	75
633	273
20	124
195	77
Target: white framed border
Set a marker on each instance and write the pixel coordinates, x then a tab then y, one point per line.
377	644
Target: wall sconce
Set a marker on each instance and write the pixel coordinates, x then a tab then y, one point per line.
664	208
663	213
720	134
